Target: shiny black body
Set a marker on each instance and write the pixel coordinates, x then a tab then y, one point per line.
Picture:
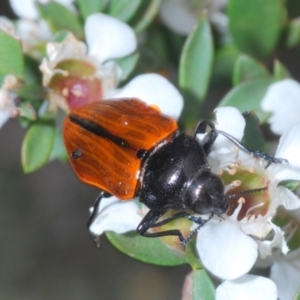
176	175
168	170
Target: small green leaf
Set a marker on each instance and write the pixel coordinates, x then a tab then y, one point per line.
247	68
195	69
37	145
58	150
192	255
247	96
292	185
293	34
59	17
256	25
32	74
88	7
31	92
11	56
203	287
123	9
253	136
223	67
60	36
27	111
127	65
146	16
150	250
280	71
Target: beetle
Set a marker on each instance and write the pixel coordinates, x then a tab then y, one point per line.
129	149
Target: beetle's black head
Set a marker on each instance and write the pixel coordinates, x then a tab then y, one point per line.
205	193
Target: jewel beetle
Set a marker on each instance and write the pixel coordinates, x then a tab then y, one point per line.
129	149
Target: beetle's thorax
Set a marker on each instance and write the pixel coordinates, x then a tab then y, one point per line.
167	169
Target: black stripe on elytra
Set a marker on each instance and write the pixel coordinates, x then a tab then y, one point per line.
98	130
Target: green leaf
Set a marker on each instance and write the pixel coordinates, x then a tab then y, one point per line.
256	25
27	111
253	137
247	96
59	17
31	92
88	7
292	185
293	34
11	56
223	67
60	36
150	250
58	150
192	255
123	9
195	69
247	68
203	287
127	65
32	74
37	145
146	16
280	71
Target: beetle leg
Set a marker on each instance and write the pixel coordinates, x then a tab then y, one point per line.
102	194
210	138
252	152
149	220
198	220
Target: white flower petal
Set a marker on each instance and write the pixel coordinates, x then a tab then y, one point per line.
289	145
289	148
225	250
115	215
154	90
108	37
230	120
177	16
288	199
4	116
283	101
256	226
26	8
286	273
247	287
265	247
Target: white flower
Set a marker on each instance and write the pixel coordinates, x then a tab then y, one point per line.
33	32
181	15
26	8
154	90
98	76
115	215
247	287
285	272
8	106
282	100
78	73
241	234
